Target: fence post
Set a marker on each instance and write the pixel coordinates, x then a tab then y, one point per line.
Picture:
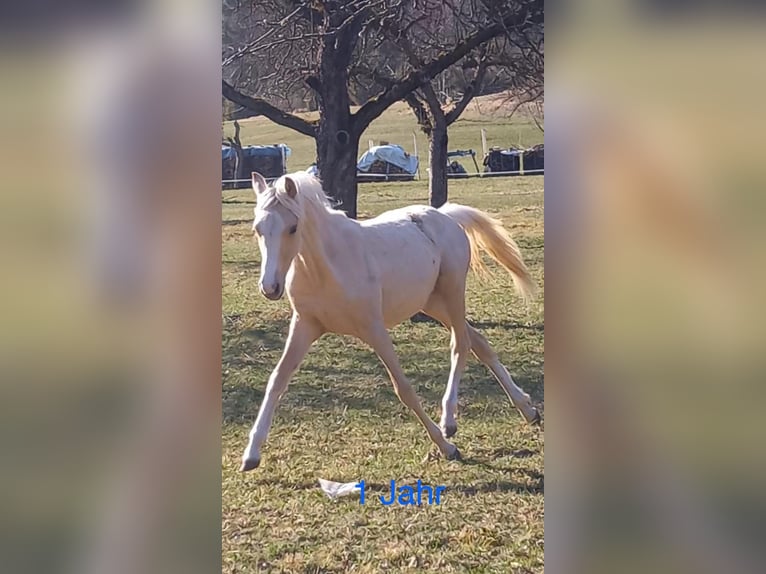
415	147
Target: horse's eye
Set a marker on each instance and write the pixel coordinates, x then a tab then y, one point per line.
293	229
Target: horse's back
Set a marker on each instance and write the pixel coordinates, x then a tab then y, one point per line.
433	222
410	248
400	245
441	229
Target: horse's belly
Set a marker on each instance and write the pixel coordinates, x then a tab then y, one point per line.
407	287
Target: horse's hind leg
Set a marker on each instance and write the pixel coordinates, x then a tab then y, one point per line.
448	307
437	309
378	338
487	355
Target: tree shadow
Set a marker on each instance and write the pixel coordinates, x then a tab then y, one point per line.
534	487
238	202
251	264
506	325
226	222
354	380
245	347
346	392
285	484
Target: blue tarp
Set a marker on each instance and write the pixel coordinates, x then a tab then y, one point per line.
393	154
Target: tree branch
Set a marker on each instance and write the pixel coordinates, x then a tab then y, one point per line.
421	114
314	83
528	97
261	107
372	109
434	105
469	93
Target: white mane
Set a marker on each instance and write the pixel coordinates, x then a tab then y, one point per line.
309	201
312	208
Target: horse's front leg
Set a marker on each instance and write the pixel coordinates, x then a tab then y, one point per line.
303	333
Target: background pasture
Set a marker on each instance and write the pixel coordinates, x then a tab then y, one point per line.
341	420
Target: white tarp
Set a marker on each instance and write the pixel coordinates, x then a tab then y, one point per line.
392	154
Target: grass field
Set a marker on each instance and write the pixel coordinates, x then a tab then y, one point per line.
341	420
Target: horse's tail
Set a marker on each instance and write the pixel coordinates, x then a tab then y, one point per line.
485	233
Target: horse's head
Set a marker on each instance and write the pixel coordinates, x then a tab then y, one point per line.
276	227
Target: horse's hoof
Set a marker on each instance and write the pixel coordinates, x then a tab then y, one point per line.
449	431
455	455
250	464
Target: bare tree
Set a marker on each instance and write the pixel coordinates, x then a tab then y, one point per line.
317	44
434	120
512	60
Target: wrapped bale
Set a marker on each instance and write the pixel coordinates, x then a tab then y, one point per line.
502	160
534	159
228	165
387	159
266	160
269	161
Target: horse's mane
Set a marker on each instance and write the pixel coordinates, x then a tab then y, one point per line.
312	207
310	199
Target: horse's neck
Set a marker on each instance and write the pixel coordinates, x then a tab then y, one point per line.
315	265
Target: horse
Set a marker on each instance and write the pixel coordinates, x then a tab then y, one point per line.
361	278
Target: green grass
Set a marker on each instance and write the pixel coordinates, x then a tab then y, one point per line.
340	419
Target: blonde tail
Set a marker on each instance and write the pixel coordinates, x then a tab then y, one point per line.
486	233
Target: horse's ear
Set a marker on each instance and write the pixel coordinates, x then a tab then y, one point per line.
259	183
291	188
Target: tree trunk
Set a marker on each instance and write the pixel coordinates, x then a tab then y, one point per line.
337	137
437	182
239	162
336	161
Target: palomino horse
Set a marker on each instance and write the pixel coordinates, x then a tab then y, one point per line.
360	278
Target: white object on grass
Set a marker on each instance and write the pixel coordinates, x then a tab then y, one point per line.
337	489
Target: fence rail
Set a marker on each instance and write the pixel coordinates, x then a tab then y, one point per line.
496	173
407	177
